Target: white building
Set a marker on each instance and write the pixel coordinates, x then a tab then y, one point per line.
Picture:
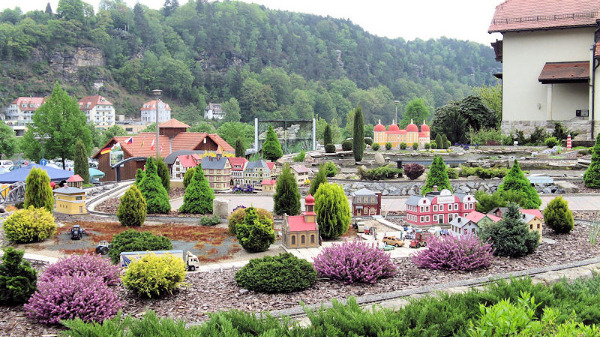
213	111
301	173
98	111
20	112
549	56
148	111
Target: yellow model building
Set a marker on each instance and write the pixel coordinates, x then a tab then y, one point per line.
70	200
394	135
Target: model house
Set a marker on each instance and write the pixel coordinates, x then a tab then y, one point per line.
98	111
301	231
547	52
532	217
366	202
70	200
20	113
395	136
301	173
256	172
148	112
471	223
214	111
438	207
183	163
238	164
217	171
75	181
268	185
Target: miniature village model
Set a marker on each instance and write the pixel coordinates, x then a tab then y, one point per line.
366	202
395	136
301	231
438	207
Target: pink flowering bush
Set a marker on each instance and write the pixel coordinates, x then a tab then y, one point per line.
73	296
464	253
87	264
354	261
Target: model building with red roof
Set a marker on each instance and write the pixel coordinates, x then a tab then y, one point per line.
302	231
438	207
395	136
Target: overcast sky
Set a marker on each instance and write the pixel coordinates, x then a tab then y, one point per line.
424	19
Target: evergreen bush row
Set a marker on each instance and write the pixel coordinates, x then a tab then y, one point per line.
483	173
379	173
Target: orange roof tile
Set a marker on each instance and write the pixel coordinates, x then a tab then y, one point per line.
173	123
561	72
519	15
89	102
36	102
152	106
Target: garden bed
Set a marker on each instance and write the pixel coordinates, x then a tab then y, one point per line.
210	292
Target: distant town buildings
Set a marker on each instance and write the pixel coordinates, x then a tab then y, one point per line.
395	136
98	110
19	113
148	112
214	111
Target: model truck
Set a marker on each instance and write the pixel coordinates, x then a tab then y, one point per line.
420	239
191	260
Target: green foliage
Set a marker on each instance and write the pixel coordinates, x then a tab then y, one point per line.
331	169
198	198
591	177
415	112
347	145
134	241
510	236
439	144
286	198
155	276
454	118
369	141
8	140
333	211
139	175
452	173
29	225
358	135
283	273
239	216
272	147
231	131
132	209
38	192
487	202
558	216
319	179
492	98
253	234
516	181
437	176
379	173
113	131
17	278
445	142
427	146
415	146
240	150
299	157
209	220
188	176
163	174
157	198
330	148
483	173
375	147
402	146
327	137
82	168
488	137
388	146
504	318
551	142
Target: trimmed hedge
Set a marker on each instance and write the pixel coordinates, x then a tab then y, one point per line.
276	274
132	209
133	241
155	276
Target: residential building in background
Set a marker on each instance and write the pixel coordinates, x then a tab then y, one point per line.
214	111
20	112
183	163
98	111
301	173
148	112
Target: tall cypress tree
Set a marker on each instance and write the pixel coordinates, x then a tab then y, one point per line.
286	197
437	176
157	198
272	147
358	147
81	163
516	181
319	179
327	138
439	143
333	211
163	173
38	192
198	198
240	151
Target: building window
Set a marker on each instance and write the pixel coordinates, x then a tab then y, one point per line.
312	239
426	208
530	226
435	218
456	207
435	208
421	219
538	226
303	239
293	239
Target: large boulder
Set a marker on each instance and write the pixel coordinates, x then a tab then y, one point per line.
379	160
221	207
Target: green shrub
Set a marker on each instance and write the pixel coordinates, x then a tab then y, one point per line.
379	173
331	169
38	192
551	142
163	173
29	225
132	209
403	146
187	178
433	144
134	241
427	146
516	181
319	179
487	202
591	177
209	220
510	236
415	146
368	140
388	146
347	145
254	235
558	216
486	137
452	173
239	216
272	147
375	147
277	274
330	148
157	198
17	278
139	175
300	156
198	198
154	276
437	176
286	198
483	173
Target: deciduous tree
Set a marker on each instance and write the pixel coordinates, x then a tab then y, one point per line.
240	150
8	140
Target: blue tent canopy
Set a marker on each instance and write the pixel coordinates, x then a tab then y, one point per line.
21	174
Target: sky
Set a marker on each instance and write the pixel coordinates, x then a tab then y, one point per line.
423	19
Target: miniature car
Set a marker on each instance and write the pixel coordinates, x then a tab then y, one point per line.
393	241
76	232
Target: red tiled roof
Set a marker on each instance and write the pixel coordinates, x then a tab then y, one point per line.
534	212
494	218
297	224
191	140
187	161
561	72
237	161
519	15
74	178
89	102
300	169
36	101
173	123
270	165
475	216
268	182
152	106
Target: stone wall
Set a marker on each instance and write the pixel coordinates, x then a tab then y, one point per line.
582	126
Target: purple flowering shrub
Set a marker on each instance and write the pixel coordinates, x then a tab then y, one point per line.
71	296
87	264
464	253
353	262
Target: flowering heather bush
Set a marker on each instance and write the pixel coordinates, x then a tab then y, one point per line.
354	261
84	265
464	252
69	297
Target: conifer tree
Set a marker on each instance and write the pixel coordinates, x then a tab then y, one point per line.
240	151
358	146
139	175
17	278
163	173
327	137
157	198
286	197
133	208
516	181
511	235
558	216
444	142
437	176
198	198
38	192
319	179
272	147
591	177
82	168
189	175
439	144
333	211
255	235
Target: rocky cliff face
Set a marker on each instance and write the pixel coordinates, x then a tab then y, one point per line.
68	62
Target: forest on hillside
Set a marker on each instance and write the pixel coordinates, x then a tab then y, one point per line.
260	62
